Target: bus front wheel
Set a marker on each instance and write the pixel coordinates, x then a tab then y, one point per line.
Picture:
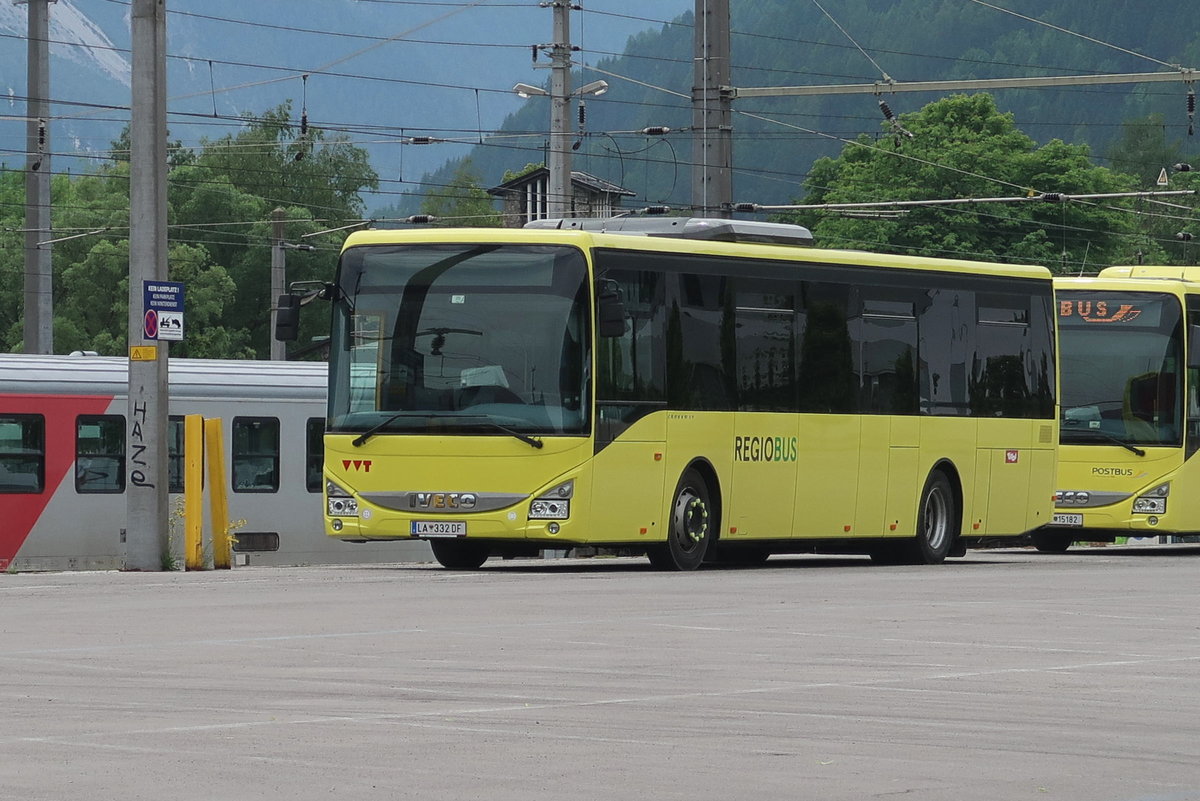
693	521
1051	543
459	554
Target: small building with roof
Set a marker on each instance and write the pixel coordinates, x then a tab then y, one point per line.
527	197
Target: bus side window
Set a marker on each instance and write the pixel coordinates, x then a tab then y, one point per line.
999	382
631	366
1193	377
255	454
700	321
887	352
100	453
764	324
826	378
22	453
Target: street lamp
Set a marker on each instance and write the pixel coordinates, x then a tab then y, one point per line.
560	149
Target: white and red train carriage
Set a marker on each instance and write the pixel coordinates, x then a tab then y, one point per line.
63	470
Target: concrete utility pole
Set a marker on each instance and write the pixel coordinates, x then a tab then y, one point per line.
39	276
278	349
146	534
712	112
561	191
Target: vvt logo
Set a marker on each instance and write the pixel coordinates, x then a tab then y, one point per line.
359	465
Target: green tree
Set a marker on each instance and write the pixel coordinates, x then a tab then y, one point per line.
1145	150
239	180
963	147
12	256
462	203
220	204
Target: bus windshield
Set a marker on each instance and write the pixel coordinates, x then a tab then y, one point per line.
1121	363
462	338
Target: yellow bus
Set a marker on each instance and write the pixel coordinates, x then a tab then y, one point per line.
694	390
1130	410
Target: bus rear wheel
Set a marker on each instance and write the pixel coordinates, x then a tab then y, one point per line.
693	521
938	521
459	554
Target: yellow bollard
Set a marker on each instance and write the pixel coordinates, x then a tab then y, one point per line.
193	492
217	498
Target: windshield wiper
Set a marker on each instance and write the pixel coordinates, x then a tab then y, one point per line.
375	429
528	440
1113	439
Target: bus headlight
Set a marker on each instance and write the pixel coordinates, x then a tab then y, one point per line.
338	502
1153	502
553	505
547	509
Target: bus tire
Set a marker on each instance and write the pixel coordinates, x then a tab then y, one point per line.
1051	543
938	522
459	554
690	530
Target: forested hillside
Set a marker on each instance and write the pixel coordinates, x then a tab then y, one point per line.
785	42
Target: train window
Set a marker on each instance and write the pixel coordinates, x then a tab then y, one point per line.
255	454
175	453
22	453
314	453
99	453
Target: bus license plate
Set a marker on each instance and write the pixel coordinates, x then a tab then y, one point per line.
1061	519
438	528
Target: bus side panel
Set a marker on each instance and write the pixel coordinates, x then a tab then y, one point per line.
628	485
875	476
975	518
763	491
900	513
827	477
903	458
1041	478
701	435
1008	444
950	442
1183	504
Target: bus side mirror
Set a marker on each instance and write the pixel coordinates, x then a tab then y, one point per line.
610	310
287	318
1193	346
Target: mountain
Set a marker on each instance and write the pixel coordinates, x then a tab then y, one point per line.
382	72
786	43
379	71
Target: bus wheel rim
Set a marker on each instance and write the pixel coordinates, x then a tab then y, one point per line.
937	523
691	519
